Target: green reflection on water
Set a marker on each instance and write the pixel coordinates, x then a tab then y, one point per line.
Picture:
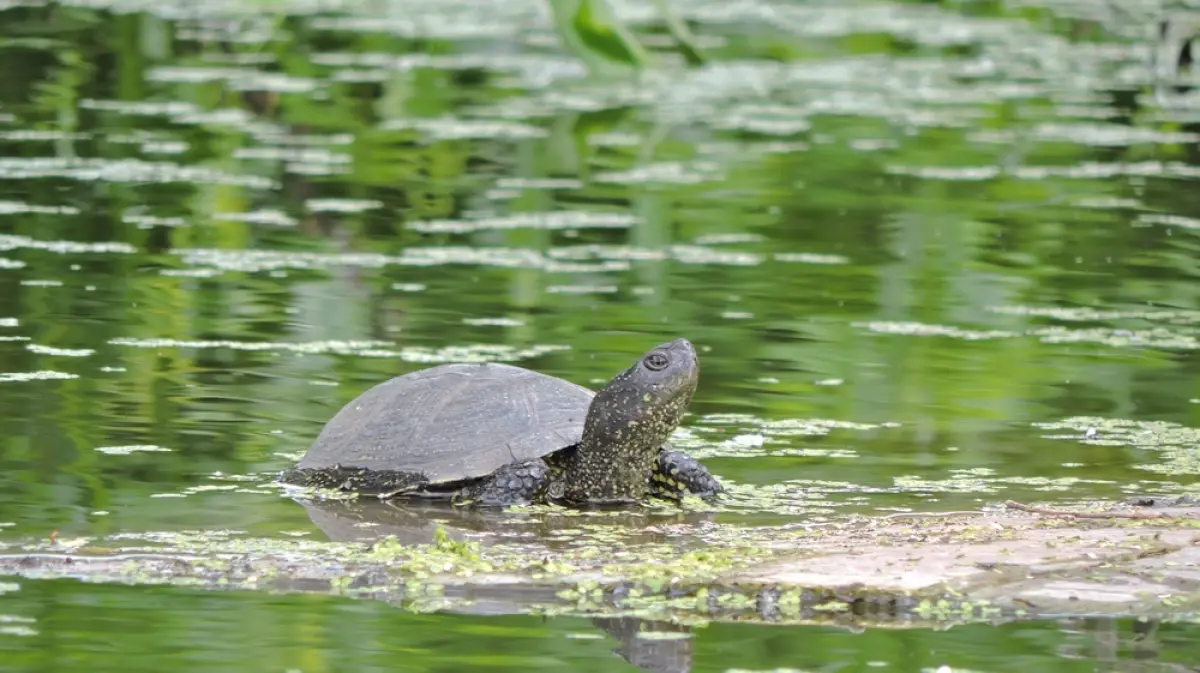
924	249
67	626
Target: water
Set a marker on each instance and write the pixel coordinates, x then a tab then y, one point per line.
254	633
206	631
933	256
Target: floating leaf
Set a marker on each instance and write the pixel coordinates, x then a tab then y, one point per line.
589	29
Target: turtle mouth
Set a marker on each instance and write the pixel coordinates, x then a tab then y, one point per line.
682	345
681	349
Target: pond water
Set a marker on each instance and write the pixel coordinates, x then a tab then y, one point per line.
205	631
933	255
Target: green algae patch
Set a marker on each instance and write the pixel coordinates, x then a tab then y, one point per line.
1174	444
444	556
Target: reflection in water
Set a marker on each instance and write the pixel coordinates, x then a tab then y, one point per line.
416	521
73	627
1121	645
411	522
933	255
651	645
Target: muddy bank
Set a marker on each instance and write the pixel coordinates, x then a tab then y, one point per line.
899	570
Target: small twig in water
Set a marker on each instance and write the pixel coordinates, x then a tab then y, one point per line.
1049	511
903	515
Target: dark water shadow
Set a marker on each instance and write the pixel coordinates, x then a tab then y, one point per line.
415	521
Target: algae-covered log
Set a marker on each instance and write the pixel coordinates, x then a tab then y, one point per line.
911	570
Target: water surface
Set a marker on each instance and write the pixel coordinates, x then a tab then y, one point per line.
934	256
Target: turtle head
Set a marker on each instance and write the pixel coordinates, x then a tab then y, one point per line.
645	403
630	419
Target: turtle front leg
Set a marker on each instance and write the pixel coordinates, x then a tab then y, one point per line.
514	484
677	474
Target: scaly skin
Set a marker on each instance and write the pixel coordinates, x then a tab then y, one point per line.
677	474
356	479
627	424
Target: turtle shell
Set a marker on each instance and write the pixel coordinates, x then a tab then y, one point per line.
453	422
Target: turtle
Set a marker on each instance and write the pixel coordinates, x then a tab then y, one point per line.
494	434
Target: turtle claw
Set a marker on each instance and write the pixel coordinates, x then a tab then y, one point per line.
677	475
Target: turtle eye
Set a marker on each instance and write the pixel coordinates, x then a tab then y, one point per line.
657	362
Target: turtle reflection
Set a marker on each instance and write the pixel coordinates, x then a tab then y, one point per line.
652	645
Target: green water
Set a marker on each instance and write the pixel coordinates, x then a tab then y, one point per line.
206	631
930	254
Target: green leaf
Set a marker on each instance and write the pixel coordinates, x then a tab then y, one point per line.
684	40
589	29
598	29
